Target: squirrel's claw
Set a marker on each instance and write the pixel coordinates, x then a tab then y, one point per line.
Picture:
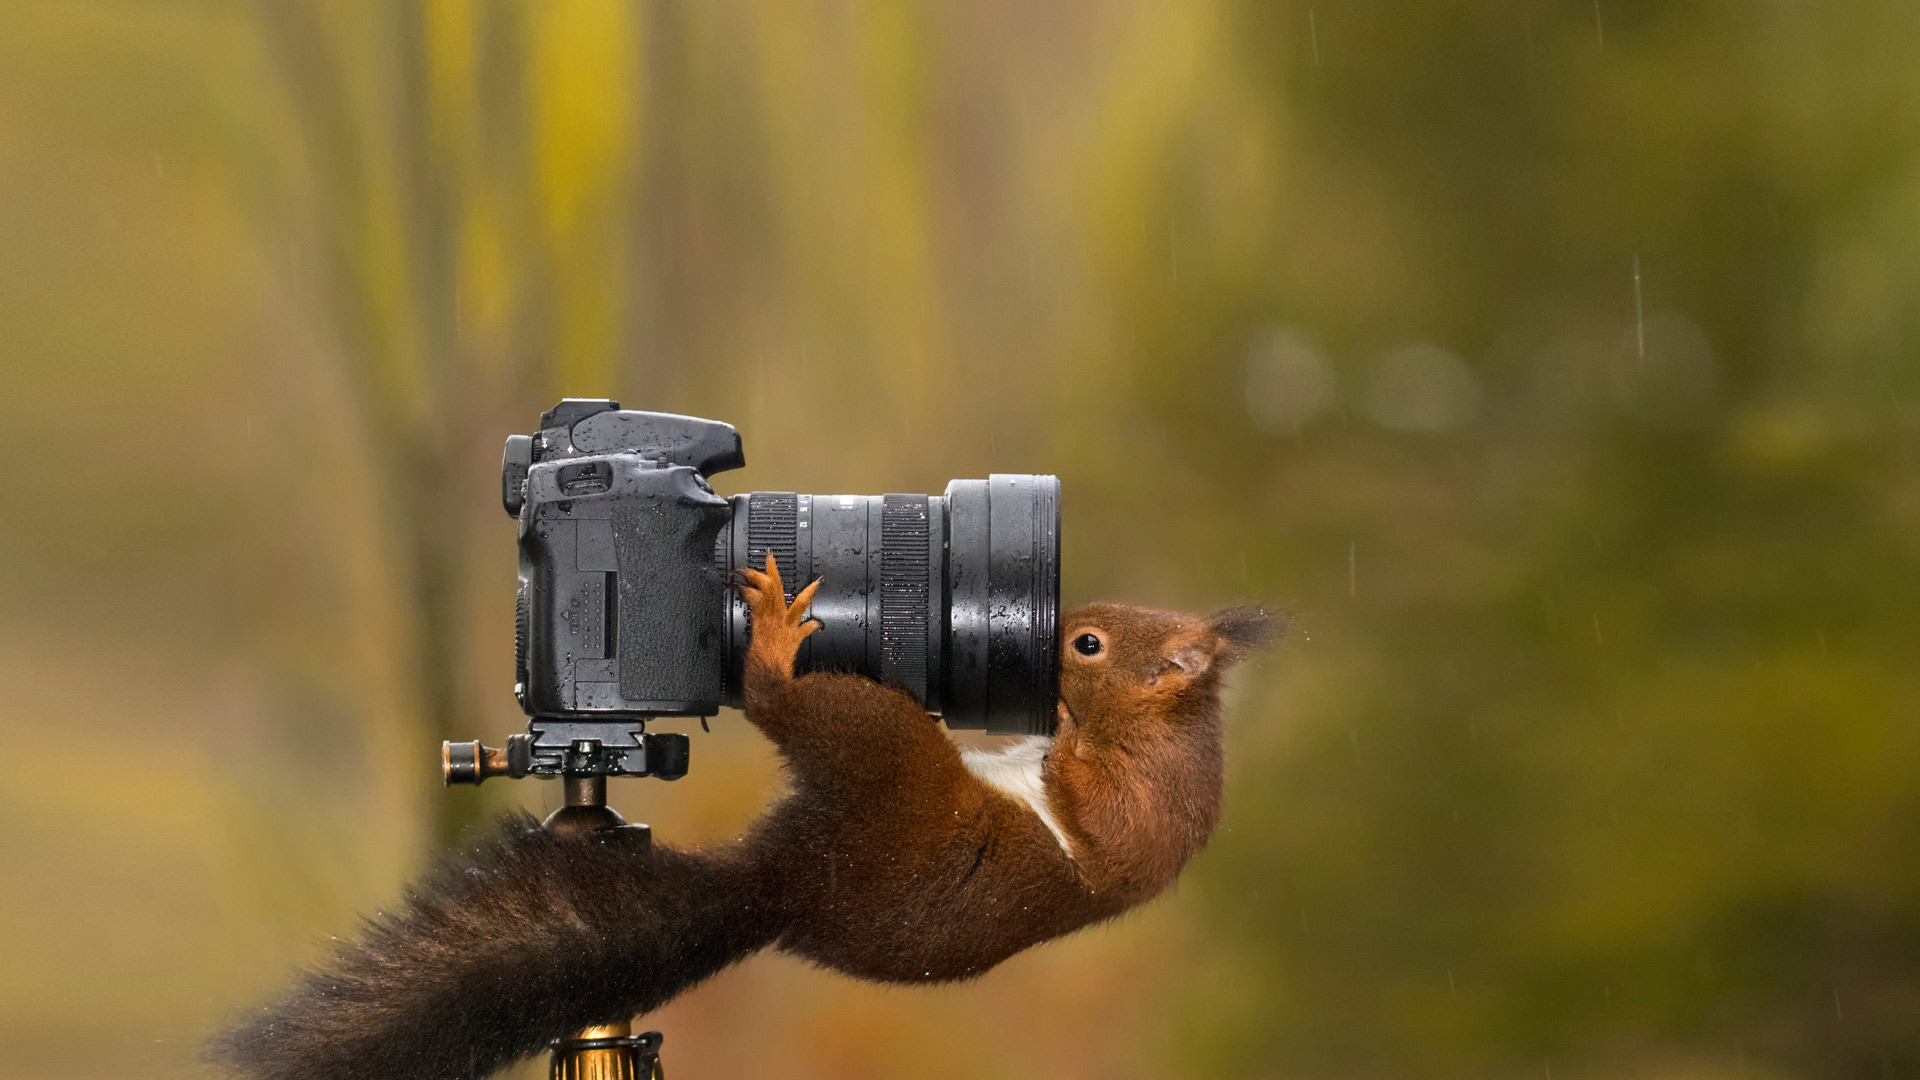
801	604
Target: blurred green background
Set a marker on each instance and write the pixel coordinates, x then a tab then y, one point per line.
1554	362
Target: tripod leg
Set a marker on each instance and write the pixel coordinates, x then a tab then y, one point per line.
609	1051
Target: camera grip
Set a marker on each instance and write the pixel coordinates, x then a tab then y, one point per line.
671	634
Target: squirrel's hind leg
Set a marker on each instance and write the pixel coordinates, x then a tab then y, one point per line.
777	629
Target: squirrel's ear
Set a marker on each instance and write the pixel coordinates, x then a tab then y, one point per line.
1244	629
1230	635
1190	656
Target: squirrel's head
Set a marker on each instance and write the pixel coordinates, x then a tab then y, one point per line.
1120	663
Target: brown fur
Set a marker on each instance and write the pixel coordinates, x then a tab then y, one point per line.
888	860
532	935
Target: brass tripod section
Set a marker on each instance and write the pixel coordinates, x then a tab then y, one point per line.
608	1052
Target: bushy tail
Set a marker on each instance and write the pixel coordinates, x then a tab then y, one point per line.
531	937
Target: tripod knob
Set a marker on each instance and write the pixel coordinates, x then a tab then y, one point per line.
470	763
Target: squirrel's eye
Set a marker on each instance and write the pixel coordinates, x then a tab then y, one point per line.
1087	645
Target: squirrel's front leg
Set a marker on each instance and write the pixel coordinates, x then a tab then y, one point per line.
831	726
777	629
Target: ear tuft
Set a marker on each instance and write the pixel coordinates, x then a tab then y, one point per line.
1244	629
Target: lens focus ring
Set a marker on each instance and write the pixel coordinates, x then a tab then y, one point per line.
772	525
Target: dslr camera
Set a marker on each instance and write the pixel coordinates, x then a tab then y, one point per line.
625	612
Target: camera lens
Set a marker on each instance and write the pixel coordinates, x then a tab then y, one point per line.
953	598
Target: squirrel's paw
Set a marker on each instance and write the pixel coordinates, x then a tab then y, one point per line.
777	627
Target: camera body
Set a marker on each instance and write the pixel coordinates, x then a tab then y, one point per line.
621	607
624	611
620	614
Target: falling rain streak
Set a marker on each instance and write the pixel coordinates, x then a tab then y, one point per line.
1639	312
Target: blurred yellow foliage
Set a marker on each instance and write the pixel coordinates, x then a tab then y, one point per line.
1552	363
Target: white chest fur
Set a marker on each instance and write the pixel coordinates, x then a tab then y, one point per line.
1016	771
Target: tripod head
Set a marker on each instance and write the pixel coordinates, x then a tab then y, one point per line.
553	747
583	755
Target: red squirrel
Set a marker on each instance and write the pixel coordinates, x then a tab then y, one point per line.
895	857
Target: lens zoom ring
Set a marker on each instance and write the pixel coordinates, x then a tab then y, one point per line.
772	521
904	589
